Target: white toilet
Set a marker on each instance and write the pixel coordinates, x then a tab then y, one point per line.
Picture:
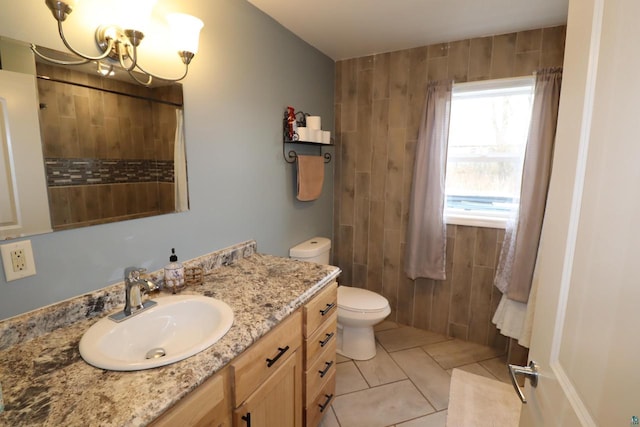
358	309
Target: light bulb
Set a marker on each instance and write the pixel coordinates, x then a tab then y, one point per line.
134	14
185	31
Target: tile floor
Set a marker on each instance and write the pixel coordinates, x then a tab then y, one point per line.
407	383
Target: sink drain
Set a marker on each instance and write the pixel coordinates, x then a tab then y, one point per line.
155	353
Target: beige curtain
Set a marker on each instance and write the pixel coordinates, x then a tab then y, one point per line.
426	233
520	247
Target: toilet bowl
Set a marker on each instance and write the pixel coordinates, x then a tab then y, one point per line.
358	309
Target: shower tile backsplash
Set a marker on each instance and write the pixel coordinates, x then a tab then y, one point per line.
92	171
379	101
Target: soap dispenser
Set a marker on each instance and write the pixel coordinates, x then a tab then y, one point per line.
174	273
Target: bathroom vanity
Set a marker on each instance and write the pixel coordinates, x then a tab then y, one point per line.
277	360
271	382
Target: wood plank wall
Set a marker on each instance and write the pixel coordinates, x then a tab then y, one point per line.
379	100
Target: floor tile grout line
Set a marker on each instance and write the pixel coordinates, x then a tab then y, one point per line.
465	364
377	386
394	382
486	369
361	374
409	378
417	418
418	388
477	363
409	348
335	414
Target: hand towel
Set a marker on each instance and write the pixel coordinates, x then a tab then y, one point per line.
310	177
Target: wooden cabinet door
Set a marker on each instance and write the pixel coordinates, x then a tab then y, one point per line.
278	401
207	406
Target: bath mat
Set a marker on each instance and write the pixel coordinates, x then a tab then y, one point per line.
476	401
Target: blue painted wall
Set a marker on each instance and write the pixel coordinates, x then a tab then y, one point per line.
247	71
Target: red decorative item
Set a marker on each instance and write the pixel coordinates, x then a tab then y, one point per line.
291	123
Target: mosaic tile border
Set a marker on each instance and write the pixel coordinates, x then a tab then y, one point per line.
88	171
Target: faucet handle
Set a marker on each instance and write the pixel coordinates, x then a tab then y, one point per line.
133	273
153	287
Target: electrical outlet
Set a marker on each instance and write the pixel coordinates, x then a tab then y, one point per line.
17	259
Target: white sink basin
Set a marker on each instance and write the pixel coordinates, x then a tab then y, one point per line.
176	328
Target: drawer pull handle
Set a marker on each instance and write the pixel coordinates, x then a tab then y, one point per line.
247	419
328	309
281	351
328	366
326	402
326	340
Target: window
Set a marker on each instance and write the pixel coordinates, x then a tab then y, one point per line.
487	138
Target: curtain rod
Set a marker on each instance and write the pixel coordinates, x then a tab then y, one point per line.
115	92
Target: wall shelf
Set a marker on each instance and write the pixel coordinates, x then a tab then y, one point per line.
290	140
291	155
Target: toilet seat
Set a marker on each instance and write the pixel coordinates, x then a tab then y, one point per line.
360	300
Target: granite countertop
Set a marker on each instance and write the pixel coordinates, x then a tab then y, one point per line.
46	382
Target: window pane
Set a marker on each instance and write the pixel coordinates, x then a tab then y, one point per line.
487	139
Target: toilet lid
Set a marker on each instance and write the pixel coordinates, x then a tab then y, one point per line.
350	298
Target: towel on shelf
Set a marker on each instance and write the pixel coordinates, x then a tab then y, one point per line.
310	177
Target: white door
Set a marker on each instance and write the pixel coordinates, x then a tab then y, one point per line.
24	203
586	332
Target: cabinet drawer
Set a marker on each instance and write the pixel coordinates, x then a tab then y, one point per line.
208	405
265	356
320	308
318	374
321	339
320	403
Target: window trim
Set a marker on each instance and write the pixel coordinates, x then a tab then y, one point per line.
473	89
475	219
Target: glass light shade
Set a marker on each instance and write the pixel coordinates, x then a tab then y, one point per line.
134	14
185	31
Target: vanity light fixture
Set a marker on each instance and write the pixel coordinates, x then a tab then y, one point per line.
120	43
104	70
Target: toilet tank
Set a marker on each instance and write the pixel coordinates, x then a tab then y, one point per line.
312	250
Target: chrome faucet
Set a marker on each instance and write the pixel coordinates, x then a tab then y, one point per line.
133	297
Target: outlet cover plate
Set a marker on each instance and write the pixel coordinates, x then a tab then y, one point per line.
30	265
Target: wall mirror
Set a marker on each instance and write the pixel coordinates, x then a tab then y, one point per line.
112	150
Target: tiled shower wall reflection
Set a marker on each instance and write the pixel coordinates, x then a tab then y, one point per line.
379	100
108	156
